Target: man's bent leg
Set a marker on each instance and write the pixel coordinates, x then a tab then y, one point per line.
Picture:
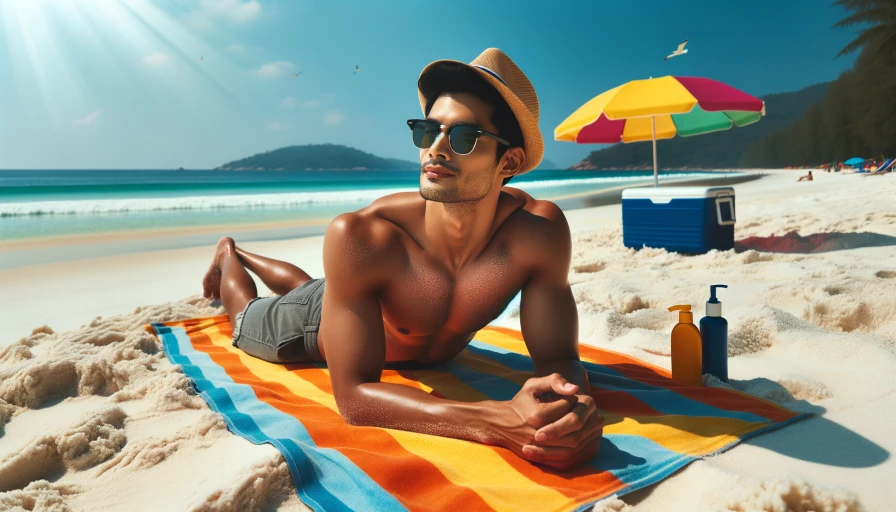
237	286
279	276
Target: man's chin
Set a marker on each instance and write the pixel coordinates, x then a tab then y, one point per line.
438	196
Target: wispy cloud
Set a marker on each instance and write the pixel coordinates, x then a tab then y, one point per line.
276	126
334	117
313	103
274	69
236	49
289	102
89	119
237	11
155	60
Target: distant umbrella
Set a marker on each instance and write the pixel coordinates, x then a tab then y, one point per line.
854	161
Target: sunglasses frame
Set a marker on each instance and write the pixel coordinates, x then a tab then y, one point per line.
447	131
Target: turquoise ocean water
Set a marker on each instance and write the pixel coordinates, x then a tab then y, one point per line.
48	203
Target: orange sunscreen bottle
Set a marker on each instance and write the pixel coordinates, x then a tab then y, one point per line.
687	348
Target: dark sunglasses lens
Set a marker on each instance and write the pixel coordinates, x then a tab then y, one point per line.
425	134
462	139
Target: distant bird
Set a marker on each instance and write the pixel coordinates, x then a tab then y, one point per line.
679	51
297	74
357	69
200	58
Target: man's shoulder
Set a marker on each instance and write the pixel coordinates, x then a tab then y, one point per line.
537	217
540	229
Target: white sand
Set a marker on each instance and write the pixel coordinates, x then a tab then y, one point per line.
97	419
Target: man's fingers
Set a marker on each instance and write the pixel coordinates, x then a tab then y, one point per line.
551	455
562	386
553	382
563	457
577	418
570	423
549	412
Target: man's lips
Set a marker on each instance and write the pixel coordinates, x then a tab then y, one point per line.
434	171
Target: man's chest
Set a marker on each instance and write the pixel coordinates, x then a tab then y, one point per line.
425	299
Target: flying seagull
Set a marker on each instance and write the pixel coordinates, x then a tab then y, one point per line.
357	69
297	74
680	50
200	58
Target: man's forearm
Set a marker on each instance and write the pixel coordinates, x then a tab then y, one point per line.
571	370
401	407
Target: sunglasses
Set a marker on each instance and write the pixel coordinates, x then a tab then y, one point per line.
461	137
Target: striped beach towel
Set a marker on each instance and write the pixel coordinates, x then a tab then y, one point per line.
655	426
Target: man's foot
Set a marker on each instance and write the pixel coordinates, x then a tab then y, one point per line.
211	283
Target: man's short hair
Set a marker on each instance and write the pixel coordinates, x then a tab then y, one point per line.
456	78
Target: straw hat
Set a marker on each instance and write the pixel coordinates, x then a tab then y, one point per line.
498	70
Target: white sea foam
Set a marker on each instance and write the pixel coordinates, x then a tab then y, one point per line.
247	201
250	201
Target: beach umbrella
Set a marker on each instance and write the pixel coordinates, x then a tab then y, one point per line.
854	161
659	108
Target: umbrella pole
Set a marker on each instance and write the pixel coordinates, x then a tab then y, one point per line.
653	129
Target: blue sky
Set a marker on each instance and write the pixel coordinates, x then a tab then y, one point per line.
119	84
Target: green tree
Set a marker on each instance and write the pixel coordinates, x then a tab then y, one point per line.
879	18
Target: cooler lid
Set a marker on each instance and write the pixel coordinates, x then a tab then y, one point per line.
676	192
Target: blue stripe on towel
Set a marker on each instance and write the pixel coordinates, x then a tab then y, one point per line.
333	473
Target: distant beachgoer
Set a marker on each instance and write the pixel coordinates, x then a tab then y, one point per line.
411	278
807	177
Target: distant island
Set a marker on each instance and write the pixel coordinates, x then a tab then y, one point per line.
547	165
313	157
721	150
327	157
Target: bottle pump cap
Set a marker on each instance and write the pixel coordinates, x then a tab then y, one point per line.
685	316
714	305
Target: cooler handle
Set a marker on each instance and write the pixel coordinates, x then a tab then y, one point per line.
719	201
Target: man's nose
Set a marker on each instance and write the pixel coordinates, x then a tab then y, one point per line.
440	149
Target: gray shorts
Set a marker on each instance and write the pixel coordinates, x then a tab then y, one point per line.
282	329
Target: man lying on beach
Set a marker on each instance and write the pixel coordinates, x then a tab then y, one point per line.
411	278
806	177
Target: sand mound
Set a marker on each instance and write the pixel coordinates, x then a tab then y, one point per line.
266	483
40	495
612	504
781	496
78	386
80	446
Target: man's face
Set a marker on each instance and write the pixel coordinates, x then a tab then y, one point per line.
470	177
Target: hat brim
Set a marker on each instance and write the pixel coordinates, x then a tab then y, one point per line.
533	144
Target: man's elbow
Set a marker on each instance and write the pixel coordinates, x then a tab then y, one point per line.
353	407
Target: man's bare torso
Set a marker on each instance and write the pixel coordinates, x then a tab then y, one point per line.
430	312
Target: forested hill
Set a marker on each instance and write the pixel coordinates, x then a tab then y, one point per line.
712	150
857	117
318	157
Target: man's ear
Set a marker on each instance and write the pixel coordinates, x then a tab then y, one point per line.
513	160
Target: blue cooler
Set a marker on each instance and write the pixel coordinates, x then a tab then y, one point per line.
681	219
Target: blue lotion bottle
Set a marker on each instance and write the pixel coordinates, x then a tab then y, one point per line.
714	335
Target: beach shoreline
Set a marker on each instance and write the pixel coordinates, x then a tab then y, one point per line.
31	251
811	280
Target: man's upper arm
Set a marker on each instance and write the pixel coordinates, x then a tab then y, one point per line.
548	316
355	254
